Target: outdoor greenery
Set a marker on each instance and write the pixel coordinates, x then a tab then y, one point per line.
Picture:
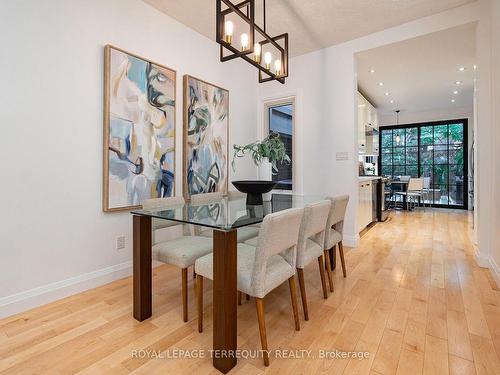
441	155
271	147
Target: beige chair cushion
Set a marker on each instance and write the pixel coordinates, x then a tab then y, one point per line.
332	238
312	251
277	270
312	231
243	234
183	251
206	198
335	222
252	241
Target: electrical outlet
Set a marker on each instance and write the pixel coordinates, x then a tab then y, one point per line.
120	242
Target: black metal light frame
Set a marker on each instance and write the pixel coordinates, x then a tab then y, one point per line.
265	75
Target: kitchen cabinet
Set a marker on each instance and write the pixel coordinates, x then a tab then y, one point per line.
365	207
367	127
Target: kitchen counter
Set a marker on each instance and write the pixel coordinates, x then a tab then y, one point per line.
368	178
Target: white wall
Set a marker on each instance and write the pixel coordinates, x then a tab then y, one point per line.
326	81
495	99
52	229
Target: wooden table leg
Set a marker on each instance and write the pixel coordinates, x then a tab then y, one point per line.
143	305
224	300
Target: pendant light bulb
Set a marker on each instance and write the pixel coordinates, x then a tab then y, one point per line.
228	31
244	41
277	67
268	57
257	49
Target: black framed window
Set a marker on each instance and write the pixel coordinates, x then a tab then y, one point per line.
281	121
434	151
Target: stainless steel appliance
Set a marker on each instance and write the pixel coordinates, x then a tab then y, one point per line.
384	198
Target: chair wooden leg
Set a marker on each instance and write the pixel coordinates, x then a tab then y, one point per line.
342	260
248	297
184	294
293	295
239	298
300	273
199	295
322	275
194	273
328	269
259	303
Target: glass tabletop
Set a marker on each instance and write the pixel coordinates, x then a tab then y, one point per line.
227	214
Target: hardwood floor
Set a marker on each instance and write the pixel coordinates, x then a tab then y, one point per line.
413	298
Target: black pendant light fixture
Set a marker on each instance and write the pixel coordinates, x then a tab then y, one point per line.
256	46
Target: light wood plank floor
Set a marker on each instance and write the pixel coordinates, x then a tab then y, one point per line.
413	298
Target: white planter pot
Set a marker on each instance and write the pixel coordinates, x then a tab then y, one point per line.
266	174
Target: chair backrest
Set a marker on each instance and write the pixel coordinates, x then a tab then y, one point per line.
404	178
312	228
279	234
206	198
337	211
427	182
159	203
416	184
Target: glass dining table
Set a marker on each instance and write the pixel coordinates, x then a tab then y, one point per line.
224	216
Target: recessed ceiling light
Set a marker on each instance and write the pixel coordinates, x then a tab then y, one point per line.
453	100
391	101
372	70
387	94
455	92
461	69
381	83
458	82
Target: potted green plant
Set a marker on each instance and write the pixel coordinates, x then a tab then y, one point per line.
266	155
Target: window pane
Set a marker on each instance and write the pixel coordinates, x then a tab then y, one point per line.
399	155
441	134
400	170
426	135
411	136
456	174
386	156
456	133
281	122
441	154
456	195
412	170
440	193
411	155
398	137
456	154
426	155
386	170
386	138
440	174
426	171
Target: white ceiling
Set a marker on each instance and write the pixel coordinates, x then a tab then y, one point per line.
420	73
312	24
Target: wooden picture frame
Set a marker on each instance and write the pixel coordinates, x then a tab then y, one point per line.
185	136
152	94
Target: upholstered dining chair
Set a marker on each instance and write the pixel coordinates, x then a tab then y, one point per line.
334	233
262	268
244	233
310	245
181	251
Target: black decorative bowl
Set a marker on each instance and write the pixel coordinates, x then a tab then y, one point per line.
254	189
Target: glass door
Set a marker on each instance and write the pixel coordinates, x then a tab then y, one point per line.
433	151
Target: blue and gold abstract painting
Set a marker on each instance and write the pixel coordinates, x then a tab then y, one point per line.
139	130
206	126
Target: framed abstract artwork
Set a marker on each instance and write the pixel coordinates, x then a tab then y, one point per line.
139	130
206	137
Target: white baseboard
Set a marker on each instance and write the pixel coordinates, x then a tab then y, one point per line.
481	260
495	270
29	299
350	241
